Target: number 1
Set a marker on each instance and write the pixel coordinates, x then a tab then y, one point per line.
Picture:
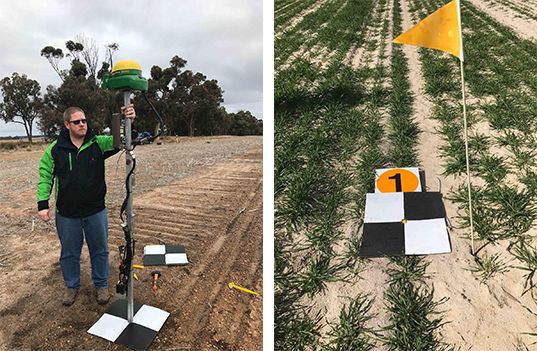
398	186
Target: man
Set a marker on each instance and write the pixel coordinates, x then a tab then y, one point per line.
76	161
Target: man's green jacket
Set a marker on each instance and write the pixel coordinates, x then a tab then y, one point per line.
80	186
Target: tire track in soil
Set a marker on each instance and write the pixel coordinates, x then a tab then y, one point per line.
222	244
222	250
234	254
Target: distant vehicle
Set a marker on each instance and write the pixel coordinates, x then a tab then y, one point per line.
143	135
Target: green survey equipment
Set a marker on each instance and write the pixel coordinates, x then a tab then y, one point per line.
127	76
122	323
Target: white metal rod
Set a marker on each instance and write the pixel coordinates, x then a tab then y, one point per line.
467	159
129	210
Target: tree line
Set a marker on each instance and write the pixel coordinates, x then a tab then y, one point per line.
189	103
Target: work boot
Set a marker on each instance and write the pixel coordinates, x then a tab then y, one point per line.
69	297
103	296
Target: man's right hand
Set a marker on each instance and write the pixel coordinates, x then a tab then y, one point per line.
44	214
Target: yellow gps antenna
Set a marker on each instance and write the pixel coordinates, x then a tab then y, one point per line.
126	75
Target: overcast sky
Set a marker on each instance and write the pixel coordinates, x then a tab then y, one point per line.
221	39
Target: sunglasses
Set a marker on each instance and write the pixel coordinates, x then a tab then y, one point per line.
77	122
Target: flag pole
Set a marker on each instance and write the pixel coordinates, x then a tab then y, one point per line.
461	59
437	32
467	157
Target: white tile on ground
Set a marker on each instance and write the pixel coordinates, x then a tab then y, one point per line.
384	207
154	250
178	258
150	317
429	236
109	327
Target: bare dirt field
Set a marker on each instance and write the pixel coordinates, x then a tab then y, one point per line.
203	193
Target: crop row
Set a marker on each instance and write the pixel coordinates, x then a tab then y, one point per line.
333	127
317	130
525	9
284	11
335	26
500	72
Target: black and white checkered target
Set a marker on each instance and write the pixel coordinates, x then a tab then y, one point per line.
411	223
164	255
138	335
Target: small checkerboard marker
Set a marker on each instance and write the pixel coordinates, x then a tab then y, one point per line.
410	223
138	335
164	255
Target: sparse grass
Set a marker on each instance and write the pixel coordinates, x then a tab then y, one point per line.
352	259
282	16
320	271
499	211
403	130
492	168
493	54
528	256
413	324
295	329
351	332
317	130
337	26
22	145
489	266
330	136
406	269
414	315
520	345
517	211
529	179
524	10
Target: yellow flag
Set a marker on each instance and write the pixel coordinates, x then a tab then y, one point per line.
441	31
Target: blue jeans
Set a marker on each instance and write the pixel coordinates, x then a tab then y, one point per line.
71	233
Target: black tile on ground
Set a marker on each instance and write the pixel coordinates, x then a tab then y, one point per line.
154	260
423	205
383	239
175	249
136	337
119	308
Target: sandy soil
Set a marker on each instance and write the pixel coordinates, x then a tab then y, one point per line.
297	19
483	316
211	203
359	57
525	27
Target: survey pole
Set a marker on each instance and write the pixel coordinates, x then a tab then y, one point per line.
129	210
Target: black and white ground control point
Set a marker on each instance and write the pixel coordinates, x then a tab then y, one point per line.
400	223
138	335
160	255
